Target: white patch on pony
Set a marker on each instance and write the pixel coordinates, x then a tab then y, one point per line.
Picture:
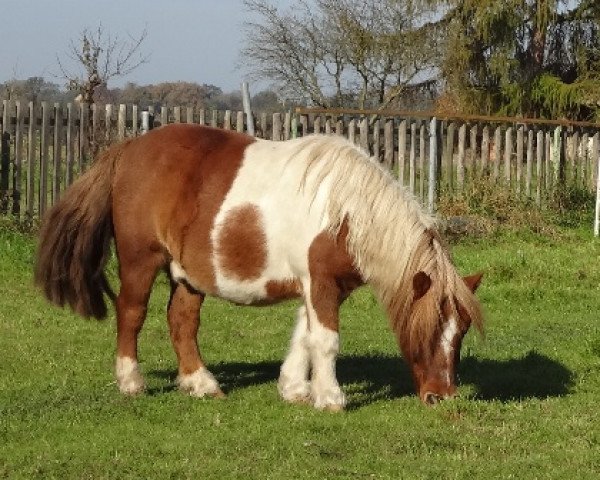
290	219
446	340
129	378
324	346
179	275
293	384
199	384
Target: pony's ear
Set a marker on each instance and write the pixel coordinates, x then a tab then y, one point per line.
473	281
421	284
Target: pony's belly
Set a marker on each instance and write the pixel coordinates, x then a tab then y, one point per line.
262	292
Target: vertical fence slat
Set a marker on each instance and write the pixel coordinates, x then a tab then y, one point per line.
364	134
497	154
519	177
460	161
121	121
276	134
596	164
226	120
422	161
377	140
539	158
529	171
239	121
31	137
574	158
304	125
548	162
328	126
556	148
352	131
583	158
485	150
70	145
83	134
388	144
433	160
57	152
317	124
18	161
401	150
164	115
263	125
594	159
4	165
508	149
287	125
177	114
412	162
95	125
449	155
472	151
43	191
135	127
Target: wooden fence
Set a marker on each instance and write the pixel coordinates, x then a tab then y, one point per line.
45	146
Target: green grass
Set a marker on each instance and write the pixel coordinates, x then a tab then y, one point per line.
529	391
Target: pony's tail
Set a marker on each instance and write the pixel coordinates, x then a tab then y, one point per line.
74	241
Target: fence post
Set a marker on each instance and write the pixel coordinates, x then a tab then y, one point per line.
16	208
401	150
247	109
4	169
433	160
276	133
596	156
147	122
556	148
294	126
508	149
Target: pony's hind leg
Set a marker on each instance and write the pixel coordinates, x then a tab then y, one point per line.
184	320
137	278
293	382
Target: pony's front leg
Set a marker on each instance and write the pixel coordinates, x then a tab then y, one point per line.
184	320
324	345
293	382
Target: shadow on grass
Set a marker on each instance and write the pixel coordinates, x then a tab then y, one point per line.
531	376
377	377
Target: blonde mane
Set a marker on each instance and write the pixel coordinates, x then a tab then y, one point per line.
390	236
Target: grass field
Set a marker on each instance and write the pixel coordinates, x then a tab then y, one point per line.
528	406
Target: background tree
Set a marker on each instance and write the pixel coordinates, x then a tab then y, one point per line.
364	53
99	57
537	58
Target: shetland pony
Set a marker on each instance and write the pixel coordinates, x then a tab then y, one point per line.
256	222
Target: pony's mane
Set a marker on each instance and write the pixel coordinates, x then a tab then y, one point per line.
390	236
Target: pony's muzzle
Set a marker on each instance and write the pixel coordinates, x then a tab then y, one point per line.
430	398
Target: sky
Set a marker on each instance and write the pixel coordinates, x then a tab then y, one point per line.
189	40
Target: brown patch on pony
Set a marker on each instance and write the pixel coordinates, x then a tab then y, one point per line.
241	246
283	289
74	241
170	188
333	275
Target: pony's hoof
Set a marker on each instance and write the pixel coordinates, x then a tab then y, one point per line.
132	386
129	378
333	408
332	401
200	384
294	392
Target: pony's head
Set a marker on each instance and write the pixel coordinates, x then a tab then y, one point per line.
431	335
